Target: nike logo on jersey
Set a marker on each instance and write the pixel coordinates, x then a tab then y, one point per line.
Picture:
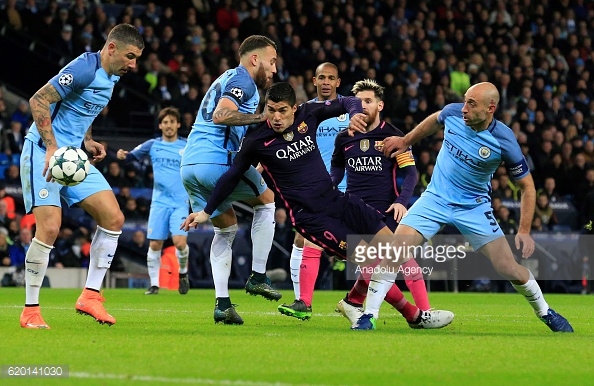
266	143
451	132
348	147
96	91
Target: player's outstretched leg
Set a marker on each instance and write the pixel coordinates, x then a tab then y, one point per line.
259	284
31	318
298	309
225	312
90	302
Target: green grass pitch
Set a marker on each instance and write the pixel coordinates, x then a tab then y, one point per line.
172	339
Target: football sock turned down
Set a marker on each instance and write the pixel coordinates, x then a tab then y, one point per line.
294	264
310	265
153	263
532	293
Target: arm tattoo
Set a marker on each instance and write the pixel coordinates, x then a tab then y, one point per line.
40	110
230	117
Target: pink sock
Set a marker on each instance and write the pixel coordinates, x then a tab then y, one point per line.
409	311
359	291
308	273
416	285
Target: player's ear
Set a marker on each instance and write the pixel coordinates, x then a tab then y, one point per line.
111	47
338	82
380	105
254	60
294	108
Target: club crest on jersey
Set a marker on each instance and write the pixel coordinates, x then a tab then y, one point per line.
342	118
181	152
342	245
65	79
288	136
364	145
302	128
484	152
379	145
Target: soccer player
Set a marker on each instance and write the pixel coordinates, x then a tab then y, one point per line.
305	255
474	146
286	148
170	203
225	112
372	177
63	111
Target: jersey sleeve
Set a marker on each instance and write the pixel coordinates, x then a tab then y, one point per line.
240	88
76	75
511	154
230	179
451	110
141	151
337	162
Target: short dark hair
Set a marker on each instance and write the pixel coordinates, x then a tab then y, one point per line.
281	92
169	111
127	34
369	85
255	42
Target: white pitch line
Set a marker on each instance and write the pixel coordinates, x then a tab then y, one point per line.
197	381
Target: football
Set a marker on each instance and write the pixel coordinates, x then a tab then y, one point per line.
69	166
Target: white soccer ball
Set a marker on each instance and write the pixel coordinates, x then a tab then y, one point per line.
69	166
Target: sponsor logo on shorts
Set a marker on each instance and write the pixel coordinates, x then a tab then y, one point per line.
43	193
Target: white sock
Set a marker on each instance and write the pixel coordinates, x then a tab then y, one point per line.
262	235
103	247
379	285
182	257
220	259
153	263
532	293
36	261
295	264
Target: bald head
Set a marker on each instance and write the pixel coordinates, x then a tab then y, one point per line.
485	92
328	66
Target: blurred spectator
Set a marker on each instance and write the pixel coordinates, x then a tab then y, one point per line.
22	114
8	200
12	176
226	17
15	138
11	15
550	189
3	214
543	210
114	175
507	224
19	248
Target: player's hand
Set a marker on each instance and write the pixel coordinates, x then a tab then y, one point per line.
121	154
525	242
399	211
357	123
96	149
194	219
48	154
394	145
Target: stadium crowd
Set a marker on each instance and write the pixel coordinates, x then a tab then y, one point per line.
426	53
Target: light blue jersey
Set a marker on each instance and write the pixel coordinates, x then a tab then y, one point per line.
326	135
468	159
458	193
85	89
209	143
165	157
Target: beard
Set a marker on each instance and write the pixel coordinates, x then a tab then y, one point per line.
261	79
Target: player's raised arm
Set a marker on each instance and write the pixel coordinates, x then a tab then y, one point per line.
40	110
397	145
